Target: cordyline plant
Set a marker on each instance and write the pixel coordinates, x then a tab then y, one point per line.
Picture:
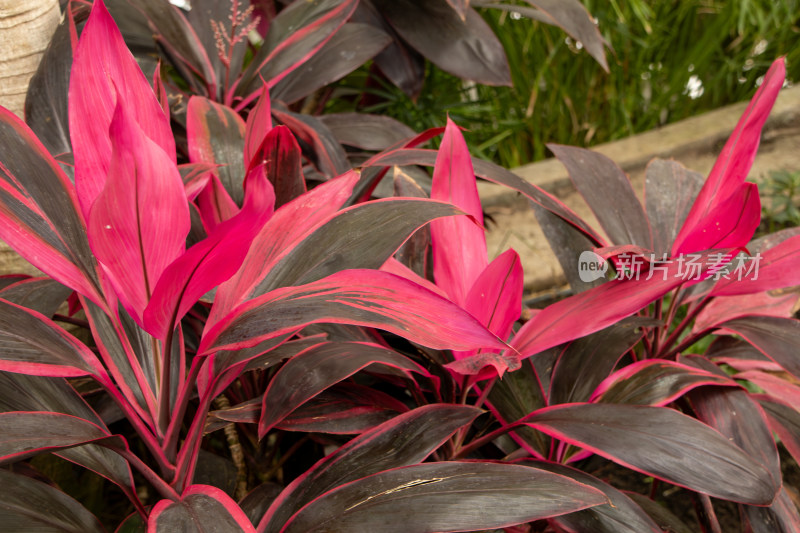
311	312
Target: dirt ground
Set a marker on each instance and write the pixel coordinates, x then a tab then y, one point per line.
515	225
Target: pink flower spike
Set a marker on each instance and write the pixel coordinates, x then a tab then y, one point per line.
736	158
103	71
139	221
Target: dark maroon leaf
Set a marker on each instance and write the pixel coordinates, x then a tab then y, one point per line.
780	517
567	243
309	373
19	392
46	100
368	132
584	363
202	508
669	192
42	295
407	439
732	412
362	236
33	344
607	190
493	173
515	396
464	47
24	434
216	136
777	338
39	210
573	18
345	409
317	142
258	500
284	165
444	497
180	42
295	34
655	382
620	515
785	422
349	48
30	506
662	443
660	514
402	65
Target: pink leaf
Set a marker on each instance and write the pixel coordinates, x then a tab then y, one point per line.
778	267
139	222
459	244
288	226
259	123
211	261
496	301
104	71
596	308
723	308
737	157
731	224
214	204
361	297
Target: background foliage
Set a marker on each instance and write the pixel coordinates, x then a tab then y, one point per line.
561	95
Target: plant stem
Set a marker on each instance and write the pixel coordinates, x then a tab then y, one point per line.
164	403
182	402
157	481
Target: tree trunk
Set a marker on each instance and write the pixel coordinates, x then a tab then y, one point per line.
25	29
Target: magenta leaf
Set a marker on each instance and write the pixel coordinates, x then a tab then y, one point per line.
25	434
589	311
23	499
201	508
33	344
733	164
284	164
289	225
214	204
724	308
608	192
105	73
314	370
777	267
363	297
259	124
654	382
215	135
663	443
730	225
448	496
406	439
459	243
139	222
211	261
39	211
